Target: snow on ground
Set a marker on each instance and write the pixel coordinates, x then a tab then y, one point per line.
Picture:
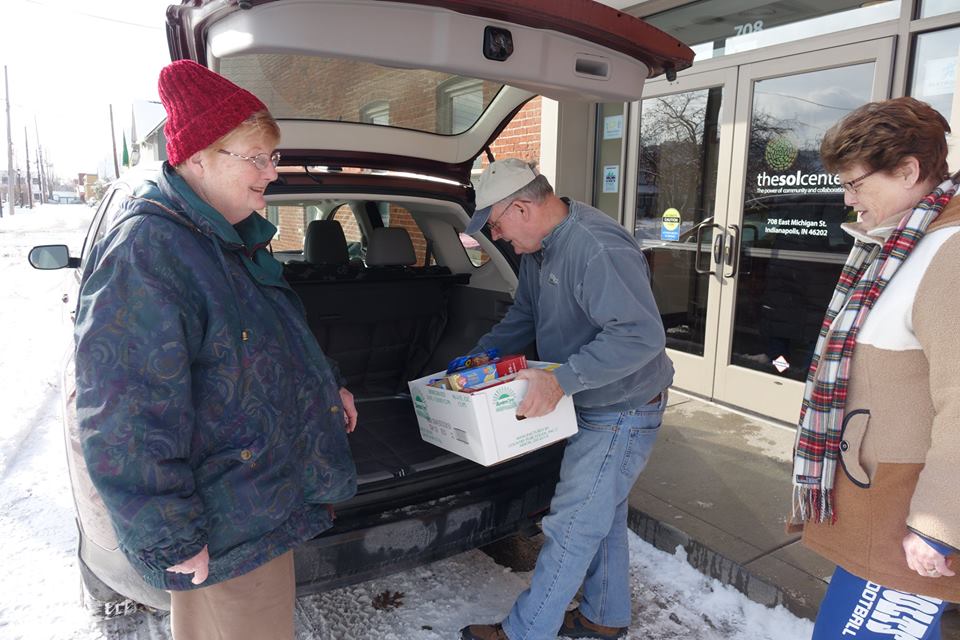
33	316
40	595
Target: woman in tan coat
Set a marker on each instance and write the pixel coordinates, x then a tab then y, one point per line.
883	394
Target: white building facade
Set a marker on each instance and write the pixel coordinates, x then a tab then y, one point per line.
718	172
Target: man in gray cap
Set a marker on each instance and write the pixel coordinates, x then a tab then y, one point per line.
584	296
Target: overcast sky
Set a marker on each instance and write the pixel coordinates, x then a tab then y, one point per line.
67	61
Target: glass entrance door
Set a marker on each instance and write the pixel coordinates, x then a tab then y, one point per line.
683	168
740	221
785	240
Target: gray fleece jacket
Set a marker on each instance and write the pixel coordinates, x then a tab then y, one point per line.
585	298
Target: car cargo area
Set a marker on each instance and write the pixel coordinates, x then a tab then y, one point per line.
385	322
387	442
381	335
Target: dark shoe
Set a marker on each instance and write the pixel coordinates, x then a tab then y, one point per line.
576	625
483	632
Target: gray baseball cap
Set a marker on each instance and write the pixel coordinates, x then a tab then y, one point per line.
498	181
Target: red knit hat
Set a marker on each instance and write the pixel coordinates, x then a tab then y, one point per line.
202	106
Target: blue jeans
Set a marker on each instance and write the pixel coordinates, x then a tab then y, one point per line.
586	529
856	608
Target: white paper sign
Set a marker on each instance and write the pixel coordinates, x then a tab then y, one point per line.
781	364
611	178
613	127
939	76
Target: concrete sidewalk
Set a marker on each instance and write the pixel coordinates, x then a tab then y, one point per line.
718	484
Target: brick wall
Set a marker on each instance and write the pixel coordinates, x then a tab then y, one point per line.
344	215
291	229
521	138
400	217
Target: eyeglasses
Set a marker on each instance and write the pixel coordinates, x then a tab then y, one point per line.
853	186
261	161
494	225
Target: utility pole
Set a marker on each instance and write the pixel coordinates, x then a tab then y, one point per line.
134	144
26	144
40	172
10	174
39	175
113	139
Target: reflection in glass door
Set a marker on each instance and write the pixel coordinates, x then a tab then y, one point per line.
738	219
791	245
784	232
684	149
676	185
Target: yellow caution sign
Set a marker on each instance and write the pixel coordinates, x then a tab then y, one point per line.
670	225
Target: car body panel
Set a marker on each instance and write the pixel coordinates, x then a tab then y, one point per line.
576	50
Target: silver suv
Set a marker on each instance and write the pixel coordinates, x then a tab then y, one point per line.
385	108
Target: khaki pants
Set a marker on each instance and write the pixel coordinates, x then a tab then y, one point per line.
255	606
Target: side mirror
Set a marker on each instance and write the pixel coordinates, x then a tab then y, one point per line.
52	256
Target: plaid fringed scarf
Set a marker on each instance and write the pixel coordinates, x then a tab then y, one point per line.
862	280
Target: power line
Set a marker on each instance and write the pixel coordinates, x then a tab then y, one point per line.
819	104
94	16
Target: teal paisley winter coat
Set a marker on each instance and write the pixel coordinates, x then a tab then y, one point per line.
207	412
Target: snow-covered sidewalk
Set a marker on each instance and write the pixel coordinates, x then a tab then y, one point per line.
40	595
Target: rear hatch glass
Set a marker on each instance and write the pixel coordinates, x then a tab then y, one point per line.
302	87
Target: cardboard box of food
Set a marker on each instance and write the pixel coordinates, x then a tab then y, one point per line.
482	426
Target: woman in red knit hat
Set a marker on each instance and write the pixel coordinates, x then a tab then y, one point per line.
213	427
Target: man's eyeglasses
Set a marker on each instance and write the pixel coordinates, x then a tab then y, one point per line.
260	161
494	225
853	186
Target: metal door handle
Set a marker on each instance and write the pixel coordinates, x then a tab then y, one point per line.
718	248
731	253
706	224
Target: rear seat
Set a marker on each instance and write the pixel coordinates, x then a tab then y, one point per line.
381	325
391	256
325	255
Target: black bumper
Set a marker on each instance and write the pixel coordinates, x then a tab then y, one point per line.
443	515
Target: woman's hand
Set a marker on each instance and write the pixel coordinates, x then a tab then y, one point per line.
349	409
924	559
198	565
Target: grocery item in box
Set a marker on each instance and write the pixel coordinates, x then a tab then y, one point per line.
440	383
471	377
492	383
511	364
473	360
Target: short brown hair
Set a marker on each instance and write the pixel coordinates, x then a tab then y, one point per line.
879	135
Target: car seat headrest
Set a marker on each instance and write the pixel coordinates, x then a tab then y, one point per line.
390	246
324	243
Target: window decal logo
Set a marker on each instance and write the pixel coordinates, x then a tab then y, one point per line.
780	153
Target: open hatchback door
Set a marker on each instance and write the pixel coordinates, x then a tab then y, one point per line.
419	85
